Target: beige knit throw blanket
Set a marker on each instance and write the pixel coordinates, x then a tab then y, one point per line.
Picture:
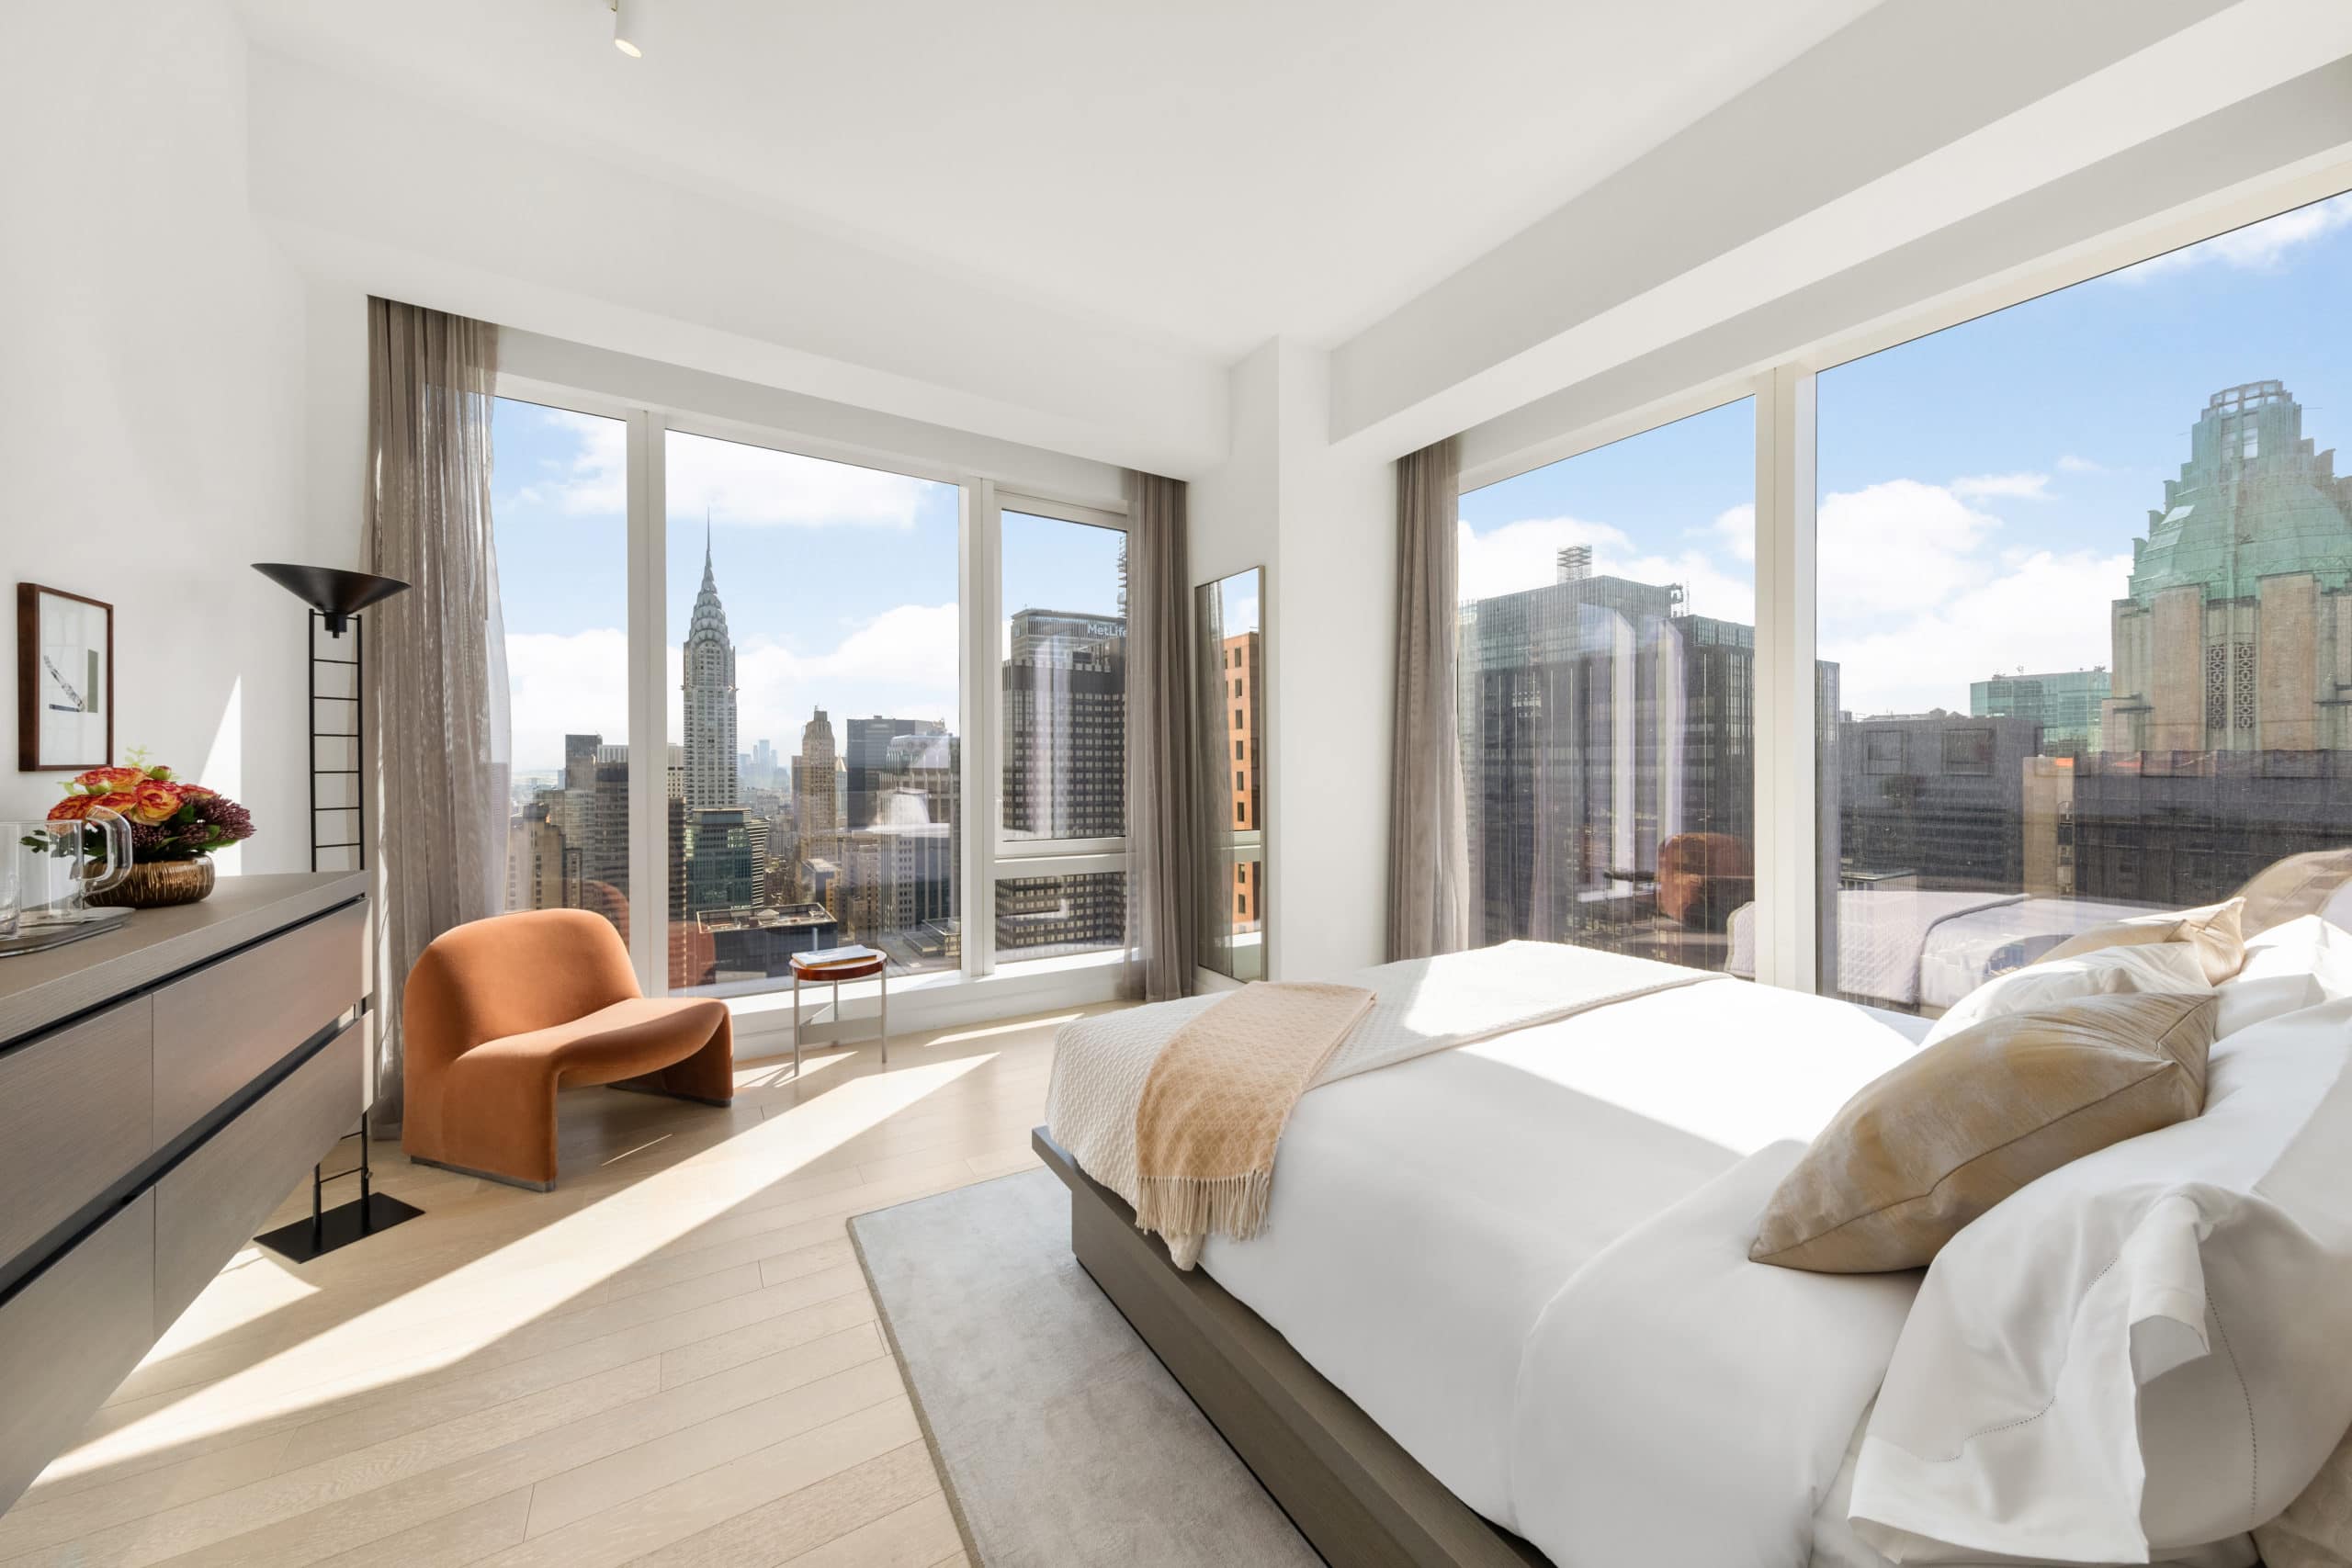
1102	1064
1215	1103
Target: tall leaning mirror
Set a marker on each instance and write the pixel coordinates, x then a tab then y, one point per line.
1229	651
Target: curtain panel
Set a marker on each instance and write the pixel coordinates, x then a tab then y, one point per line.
1428	904
1164	834
436	660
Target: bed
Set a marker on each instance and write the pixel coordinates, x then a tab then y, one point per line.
1405	1357
1917	948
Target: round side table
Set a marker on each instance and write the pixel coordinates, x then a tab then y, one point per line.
876	967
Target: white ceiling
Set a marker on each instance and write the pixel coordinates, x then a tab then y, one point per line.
1209	174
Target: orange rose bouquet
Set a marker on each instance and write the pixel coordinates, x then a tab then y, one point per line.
170	819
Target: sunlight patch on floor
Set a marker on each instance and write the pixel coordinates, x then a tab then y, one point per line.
487	1298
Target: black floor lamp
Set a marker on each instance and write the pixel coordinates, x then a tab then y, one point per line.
339	832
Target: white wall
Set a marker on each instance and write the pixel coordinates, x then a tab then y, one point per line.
1322	519
152	395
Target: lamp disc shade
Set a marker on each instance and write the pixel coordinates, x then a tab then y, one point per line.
334	594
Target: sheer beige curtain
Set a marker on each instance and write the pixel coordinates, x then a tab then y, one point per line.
436	663
1428	905
1163	801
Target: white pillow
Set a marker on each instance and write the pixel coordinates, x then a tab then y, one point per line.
2143	1349
2298	964
2162	966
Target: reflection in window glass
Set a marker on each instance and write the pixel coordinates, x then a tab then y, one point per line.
561	524
1606	670
1048	917
1228	643
813	768
2088	562
1065	679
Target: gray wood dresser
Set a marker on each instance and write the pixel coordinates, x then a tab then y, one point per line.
163	1088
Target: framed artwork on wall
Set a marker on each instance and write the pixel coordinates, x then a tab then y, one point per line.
65	681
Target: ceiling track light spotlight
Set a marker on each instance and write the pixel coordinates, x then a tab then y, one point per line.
621	40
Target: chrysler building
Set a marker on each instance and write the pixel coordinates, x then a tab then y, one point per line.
709	697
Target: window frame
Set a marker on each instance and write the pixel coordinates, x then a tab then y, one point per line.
1786	497
1000	857
981	505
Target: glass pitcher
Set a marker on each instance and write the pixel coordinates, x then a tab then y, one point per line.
57	865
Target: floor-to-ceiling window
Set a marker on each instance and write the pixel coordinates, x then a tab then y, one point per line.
2085	575
853	669
559	512
815	771
1606	683
1061	885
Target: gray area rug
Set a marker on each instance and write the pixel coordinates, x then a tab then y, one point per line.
1064	1443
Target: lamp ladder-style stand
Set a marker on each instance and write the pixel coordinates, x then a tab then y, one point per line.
338	842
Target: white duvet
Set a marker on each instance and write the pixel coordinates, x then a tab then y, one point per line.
1526	1260
1428	1216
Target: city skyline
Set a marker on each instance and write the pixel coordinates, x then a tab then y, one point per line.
1962	544
844	581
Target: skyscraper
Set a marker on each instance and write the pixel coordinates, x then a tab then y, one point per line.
812	783
2066	703
710	690
1065	776
867	753
2236	634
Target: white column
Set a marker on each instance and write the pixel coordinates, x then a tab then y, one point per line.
649	712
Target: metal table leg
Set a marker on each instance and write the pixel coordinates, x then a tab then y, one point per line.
883	980
796	1026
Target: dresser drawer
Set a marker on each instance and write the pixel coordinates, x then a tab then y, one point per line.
211	1202
69	1337
76	1107
223	1026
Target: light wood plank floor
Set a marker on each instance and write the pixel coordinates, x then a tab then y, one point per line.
672	1358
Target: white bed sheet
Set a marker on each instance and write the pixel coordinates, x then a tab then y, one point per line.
1424	1215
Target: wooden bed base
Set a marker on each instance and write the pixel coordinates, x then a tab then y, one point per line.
1359	1499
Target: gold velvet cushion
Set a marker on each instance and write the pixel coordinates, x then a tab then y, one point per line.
2298	885
2216	931
1930	1146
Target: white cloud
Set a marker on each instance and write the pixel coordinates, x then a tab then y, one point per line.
2258	247
753	486
2071	463
2044	611
594	480
2007	487
741	485
902	663
1897	548
1525	554
565	684
1737	528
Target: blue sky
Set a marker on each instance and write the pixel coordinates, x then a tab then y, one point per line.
1980	487
839	583
1980	492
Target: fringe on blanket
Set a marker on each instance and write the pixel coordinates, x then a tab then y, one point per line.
1199	1206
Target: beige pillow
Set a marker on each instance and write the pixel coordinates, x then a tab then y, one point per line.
2215	930
2316	1529
1930	1146
2290	888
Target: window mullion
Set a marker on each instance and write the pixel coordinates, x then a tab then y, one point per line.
1788	873
649	719
982	701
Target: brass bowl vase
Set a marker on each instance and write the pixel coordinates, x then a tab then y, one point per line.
159	884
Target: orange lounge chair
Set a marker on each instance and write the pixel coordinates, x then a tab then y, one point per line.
501	1013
